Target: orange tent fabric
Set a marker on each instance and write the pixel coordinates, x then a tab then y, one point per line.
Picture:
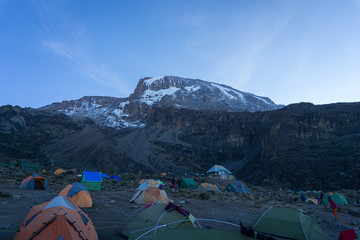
59	218
79	194
59	171
150	195
208	187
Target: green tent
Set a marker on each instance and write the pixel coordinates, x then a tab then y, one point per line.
230	188
149	217
91	180
337	197
288	223
195	234
186	183
27	165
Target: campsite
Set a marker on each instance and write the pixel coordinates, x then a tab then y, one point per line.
111	207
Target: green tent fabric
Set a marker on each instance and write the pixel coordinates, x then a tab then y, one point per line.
230	188
187	183
337	197
195	234
154	215
27	165
91	180
288	223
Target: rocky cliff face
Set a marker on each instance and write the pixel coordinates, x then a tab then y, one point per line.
162	92
299	146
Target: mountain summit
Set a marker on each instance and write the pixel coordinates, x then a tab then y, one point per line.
162	92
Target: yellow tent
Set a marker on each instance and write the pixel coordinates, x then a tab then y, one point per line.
59	171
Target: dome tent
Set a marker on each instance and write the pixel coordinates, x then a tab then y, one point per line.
337	197
34	182
79	194
152	215
59	218
288	223
208	187
150	195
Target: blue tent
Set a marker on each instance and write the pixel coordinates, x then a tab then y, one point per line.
34	182
117	178
104	175
240	187
91	180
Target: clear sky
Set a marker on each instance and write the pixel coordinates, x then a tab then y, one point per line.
290	51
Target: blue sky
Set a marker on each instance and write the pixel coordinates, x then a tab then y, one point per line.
290	51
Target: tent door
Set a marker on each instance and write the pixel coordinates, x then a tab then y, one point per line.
39	184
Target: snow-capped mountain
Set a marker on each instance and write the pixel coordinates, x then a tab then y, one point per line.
167	91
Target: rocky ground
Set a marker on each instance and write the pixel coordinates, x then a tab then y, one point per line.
112	208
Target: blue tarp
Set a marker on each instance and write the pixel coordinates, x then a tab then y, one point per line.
92	176
117	178
104	175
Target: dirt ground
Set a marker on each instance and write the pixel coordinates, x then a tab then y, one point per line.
112	208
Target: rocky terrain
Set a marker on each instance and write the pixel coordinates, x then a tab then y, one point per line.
300	146
112	209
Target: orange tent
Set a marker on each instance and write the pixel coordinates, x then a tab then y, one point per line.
150	195
59	171
79	194
208	187
59	218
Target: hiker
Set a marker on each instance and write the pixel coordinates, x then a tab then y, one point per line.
173	182
178	184
333	206
302	197
321	197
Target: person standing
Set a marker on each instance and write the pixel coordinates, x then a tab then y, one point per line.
173	184
178	184
333	205
321	197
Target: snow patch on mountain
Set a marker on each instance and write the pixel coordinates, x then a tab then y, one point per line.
192	88
150	96
262	99
152	80
228	92
166	91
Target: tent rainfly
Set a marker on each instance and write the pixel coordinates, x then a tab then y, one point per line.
288	223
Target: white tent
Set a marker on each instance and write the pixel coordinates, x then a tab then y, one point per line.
218	169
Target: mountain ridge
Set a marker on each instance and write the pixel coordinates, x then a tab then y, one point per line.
298	146
163	92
